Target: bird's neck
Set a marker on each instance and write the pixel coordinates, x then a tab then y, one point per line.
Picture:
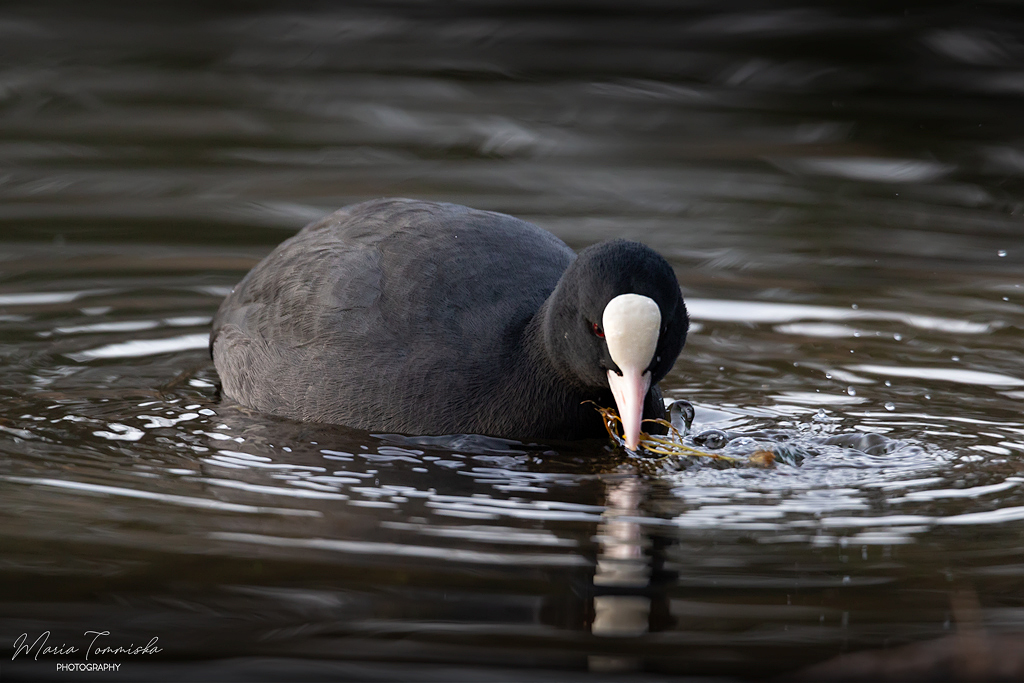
538	345
550	385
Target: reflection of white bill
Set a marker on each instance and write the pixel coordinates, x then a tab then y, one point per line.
621	615
622	562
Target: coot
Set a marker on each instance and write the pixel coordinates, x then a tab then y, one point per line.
428	318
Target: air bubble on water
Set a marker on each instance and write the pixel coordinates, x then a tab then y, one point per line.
890	406
955	359
928	396
851	391
828	375
1006	298
739	445
1001	253
854	306
888	383
898	336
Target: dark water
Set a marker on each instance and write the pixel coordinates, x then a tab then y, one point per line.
841	195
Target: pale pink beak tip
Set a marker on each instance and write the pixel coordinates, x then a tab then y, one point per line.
630	390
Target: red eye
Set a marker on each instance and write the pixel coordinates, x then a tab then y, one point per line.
598	332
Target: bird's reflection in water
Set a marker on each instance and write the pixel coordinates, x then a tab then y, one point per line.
622	597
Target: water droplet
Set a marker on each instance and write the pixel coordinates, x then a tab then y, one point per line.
956	359
890	406
851	391
1006	298
854	306
888	383
898	336
711	438
1001	253
828	375
928	396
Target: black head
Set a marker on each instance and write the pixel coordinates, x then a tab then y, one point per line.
572	323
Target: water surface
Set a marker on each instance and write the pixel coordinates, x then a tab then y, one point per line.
839	192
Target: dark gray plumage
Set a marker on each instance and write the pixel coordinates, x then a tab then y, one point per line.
428	318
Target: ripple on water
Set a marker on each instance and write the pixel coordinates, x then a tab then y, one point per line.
771	312
144	347
883	481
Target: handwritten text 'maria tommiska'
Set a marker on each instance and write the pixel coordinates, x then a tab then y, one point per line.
98	645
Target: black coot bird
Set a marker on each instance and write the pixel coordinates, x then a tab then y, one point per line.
427	318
